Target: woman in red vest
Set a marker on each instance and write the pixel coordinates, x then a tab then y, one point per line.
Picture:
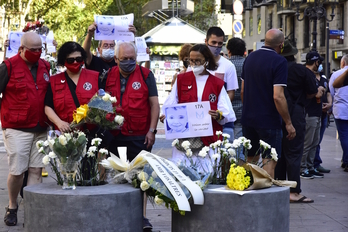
70	89
199	85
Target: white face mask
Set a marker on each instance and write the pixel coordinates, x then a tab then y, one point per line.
108	53
198	69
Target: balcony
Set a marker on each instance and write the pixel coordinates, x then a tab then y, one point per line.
285	7
258	3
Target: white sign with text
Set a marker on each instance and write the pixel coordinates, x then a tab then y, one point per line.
188	120
141	49
14	38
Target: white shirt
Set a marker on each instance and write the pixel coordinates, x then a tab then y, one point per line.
339	96
224	103
226	71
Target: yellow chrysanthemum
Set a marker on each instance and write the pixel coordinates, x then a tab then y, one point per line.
237	179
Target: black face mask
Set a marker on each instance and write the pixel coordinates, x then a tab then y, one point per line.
186	63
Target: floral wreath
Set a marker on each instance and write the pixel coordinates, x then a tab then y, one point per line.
36	26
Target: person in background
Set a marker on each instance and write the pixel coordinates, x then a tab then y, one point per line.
339	91
236	48
184	56
24	81
300	86
226	70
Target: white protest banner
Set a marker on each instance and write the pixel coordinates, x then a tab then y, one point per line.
195	190
15	42
141	47
113	27
49	41
173	187
188	120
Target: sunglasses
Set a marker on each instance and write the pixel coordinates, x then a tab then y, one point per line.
72	59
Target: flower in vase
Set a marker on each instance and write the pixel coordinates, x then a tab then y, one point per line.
264	145
103	151
39	144
228	145
45	144
202	153
247	144
231	151
52	155
175	142
41	150
91	151
96	141
144	186
186	144
236	143
188	152
158	200
218	133
62	140
226	136
216	156
67	136
274	154
46	160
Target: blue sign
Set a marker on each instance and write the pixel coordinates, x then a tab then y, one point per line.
237	26
336	32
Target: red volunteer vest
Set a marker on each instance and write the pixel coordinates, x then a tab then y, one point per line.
23	99
135	100
63	101
187	92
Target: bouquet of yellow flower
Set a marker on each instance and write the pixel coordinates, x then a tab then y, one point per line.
99	111
238	178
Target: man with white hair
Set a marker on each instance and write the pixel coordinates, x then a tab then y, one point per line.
137	100
339	92
23	83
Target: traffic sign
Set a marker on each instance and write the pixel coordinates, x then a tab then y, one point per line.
238	7
336	34
237	26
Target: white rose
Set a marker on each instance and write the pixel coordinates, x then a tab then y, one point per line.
81	134
274	154
188	153
46	160
52	155
113	99
39	144
144	186
142	176
103	151
106	97
50	143
186	144
41	150
62	140
67	136
175	142
119	119
96	142
158	200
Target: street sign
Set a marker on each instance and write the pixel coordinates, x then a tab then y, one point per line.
336	34
237	26
238	7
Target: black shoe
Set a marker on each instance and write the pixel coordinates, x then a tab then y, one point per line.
306	175
322	169
10	218
316	174
346	169
146	224
343	165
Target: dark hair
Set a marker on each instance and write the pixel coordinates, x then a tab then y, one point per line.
215	31
205	51
311	62
184	51
290	58
236	46
68	48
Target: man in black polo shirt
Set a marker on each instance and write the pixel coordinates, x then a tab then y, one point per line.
106	49
300	86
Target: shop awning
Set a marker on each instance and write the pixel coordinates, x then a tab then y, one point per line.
174	31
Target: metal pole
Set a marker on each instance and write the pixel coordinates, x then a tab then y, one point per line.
173	7
327	68
314	33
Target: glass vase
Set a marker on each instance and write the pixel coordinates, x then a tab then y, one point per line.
68	170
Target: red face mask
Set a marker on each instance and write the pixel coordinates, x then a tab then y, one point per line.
74	67
32	57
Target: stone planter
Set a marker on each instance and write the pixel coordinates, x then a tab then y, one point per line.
113	207
260	210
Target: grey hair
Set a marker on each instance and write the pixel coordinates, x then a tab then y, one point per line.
123	43
345	59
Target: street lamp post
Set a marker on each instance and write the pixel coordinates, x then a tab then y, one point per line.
315	11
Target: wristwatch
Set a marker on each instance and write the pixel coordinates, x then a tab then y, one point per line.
153	130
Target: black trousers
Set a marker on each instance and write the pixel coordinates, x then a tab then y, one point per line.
289	164
134	147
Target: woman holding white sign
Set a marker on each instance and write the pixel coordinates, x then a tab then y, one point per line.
199	85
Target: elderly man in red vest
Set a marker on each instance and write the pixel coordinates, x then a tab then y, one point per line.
137	100
23	83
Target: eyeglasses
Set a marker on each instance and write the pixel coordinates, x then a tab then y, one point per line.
196	62
106	45
72	59
34	49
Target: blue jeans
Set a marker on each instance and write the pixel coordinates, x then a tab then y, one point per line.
271	136
342	128
317	159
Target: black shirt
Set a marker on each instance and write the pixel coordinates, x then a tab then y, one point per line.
313	108
99	65
301	81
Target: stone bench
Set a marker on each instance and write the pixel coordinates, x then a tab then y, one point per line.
261	210
112	207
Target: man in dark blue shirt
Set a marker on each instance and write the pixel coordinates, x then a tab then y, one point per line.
264	77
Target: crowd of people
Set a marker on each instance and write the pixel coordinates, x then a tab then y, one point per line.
263	96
